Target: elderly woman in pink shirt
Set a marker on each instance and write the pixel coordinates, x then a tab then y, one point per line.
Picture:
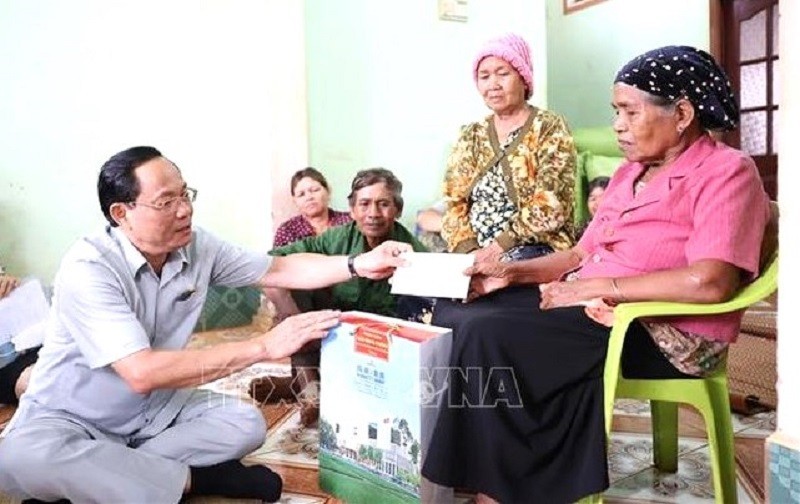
681	220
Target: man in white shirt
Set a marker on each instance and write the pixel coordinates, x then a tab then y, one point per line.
111	414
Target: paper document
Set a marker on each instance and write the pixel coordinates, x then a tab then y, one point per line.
433	275
22	310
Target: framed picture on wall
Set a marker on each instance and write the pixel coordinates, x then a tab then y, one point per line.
576	5
453	10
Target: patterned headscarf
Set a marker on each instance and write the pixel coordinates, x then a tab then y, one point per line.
673	72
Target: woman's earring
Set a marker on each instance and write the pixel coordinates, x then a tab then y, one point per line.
680	130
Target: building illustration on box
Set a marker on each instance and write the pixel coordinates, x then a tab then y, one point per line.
377	410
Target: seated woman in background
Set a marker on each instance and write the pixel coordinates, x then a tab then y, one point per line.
429	227
311	195
596	189
681	220
509	184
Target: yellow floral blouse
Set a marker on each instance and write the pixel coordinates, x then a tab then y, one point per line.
540	180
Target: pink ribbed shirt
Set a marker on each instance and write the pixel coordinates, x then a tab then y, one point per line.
709	204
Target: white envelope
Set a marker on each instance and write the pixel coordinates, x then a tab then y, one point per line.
21	313
429	274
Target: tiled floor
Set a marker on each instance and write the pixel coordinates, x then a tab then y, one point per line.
292	450
630	458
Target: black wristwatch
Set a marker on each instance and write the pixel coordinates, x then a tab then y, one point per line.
351	265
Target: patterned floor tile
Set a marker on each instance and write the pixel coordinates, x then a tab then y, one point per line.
760	425
632	453
691	484
632	407
288	443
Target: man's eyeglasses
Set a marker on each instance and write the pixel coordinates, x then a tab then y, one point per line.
170	204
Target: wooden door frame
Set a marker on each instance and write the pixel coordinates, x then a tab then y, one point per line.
716	30
719	18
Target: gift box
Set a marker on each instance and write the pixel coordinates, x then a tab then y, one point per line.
382	380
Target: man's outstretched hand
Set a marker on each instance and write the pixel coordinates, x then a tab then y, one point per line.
381	261
290	335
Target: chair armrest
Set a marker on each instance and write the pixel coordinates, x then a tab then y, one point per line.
750	294
632	311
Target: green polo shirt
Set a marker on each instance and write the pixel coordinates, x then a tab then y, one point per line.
357	293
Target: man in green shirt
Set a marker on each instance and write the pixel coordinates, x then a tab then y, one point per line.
375	203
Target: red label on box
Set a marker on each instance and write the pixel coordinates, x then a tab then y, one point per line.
373	339
407	332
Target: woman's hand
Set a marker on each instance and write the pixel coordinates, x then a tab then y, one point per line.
601	312
487	277
574	293
488	254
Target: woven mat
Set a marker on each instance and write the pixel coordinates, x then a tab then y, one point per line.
751	368
752	359
760	323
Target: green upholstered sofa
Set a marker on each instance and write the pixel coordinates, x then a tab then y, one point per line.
598	155
228	307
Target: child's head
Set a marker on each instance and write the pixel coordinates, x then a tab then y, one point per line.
597	186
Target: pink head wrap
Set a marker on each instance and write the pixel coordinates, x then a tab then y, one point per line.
515	51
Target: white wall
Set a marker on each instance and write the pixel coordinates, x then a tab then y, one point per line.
587	47
218	87
789	293
390	84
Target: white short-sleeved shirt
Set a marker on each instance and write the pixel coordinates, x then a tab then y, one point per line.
108	304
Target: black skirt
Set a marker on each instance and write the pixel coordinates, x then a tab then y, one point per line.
523	417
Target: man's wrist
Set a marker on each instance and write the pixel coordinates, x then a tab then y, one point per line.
351	265
263	351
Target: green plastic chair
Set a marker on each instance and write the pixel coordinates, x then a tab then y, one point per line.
709	395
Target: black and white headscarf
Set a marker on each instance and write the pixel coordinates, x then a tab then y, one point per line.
675	72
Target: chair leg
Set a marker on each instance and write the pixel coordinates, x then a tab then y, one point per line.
665	435
721	448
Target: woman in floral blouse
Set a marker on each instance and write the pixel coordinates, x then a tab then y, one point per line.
509	185
311	195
